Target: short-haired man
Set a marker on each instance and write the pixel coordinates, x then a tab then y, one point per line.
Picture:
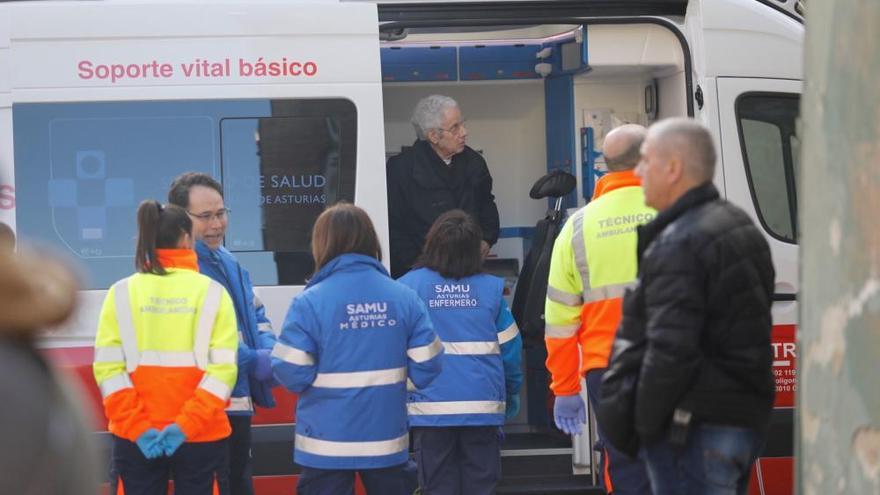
593	261
437	174
202	197
695	336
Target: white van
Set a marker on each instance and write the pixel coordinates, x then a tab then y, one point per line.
296	105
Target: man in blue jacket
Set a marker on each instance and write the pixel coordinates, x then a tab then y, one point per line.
202	197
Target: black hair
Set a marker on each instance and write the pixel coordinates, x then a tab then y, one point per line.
180	187
159	227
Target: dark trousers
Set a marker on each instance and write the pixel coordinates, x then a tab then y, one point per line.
715	460
624	474
241	467
195	468
385	481
461	460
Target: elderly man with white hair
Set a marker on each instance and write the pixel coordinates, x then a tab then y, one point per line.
437	174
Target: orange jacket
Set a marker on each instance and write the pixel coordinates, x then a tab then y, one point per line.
165	352
593	262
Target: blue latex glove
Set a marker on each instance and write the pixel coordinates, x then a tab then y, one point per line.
512	407
150	444
570	413
172	438
263	368
247	358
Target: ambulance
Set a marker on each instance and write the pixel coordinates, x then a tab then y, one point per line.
295	105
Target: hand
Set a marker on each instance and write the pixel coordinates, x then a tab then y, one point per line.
263	368
484	249
247	359
570	413
171	438
512	407
150	443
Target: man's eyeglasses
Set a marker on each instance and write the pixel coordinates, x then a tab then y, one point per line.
455	128
220	214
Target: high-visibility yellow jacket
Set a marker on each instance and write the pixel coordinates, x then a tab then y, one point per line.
593	262
165	351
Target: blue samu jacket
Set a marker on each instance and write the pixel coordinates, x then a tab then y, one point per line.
349	344
482	359
254	329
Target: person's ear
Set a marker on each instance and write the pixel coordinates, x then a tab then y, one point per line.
675	169
186	241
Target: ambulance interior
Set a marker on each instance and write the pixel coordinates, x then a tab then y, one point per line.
525	92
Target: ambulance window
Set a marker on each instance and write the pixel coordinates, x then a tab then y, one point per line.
771	154
81	169
279	173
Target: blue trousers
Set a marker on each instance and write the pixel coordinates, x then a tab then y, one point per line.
715	460
627	475
461	460
240	463
386	481
194	467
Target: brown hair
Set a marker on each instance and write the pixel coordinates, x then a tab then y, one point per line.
343	228
452	246
159	227
7	239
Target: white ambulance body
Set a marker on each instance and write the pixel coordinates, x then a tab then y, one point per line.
296	105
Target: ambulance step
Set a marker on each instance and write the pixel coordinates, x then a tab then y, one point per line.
548	485
540	463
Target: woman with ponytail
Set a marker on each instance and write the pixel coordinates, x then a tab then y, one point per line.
165	364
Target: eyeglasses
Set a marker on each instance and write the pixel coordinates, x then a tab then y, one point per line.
456	128
220	214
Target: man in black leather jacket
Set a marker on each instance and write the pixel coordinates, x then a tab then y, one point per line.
437	174
691	369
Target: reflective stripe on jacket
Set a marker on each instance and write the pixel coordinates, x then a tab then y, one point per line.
349	343
482	358
593	263
254	329
165	352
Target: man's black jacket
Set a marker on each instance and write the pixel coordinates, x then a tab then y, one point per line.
421	187
695	332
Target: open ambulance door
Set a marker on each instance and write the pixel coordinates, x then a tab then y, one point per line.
748	66
759	150
732	52
604	54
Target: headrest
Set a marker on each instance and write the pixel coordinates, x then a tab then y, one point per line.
555	184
